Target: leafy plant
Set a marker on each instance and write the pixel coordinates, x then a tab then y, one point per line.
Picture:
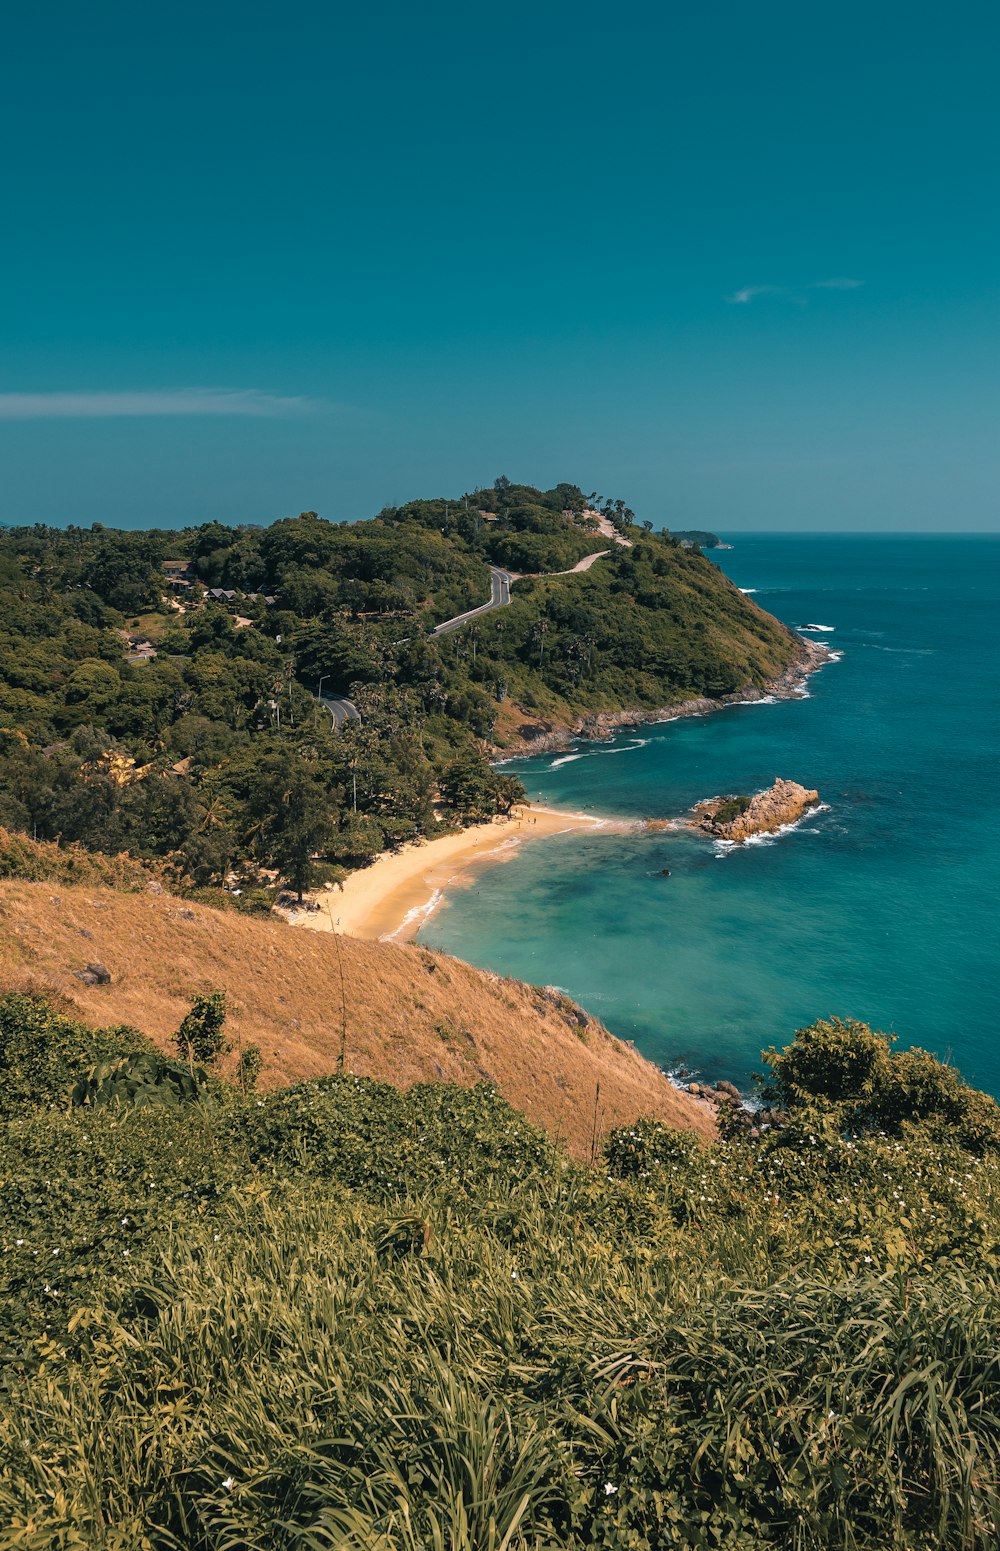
200	1037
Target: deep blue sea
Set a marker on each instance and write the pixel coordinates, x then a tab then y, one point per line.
883	907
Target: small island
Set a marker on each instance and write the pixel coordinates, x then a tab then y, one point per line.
699	538
736	818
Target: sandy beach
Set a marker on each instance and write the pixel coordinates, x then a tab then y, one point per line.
395	895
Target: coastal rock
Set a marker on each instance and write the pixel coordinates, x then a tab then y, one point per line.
737	818
535	735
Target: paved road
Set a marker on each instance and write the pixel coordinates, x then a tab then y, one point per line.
340	709
499	598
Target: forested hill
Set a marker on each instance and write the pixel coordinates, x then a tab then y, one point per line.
139	711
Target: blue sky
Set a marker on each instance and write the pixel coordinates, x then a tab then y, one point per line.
738	265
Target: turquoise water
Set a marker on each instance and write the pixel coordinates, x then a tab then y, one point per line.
883	907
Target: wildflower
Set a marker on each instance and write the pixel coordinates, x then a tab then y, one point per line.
228	1483
609	1490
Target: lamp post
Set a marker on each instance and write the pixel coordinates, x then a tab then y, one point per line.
319	692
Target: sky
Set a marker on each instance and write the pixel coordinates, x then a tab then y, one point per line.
737	265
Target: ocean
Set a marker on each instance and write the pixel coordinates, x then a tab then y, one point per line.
883	906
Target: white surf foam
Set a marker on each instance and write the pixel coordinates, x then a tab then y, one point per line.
630	748
724	847
821	628
567	759
748	590
416	918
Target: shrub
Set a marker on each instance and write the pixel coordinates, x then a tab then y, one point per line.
200	1037
847	1066
43	1053
730	808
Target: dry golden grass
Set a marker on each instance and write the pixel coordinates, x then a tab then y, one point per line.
412	1016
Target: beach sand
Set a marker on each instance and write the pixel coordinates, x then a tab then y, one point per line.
395	895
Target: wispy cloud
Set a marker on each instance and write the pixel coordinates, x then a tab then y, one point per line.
165	401
750	293
789	293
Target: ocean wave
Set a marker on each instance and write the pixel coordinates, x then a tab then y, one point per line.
821	628
567	759
638	743
723	848
748	590
416	918
903	651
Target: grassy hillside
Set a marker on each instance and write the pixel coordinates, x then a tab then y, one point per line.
340	1316
411	1016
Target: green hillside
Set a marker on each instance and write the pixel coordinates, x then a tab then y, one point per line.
342	1316
140	713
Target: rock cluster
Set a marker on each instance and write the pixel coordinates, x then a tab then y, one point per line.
735	1119
782	803
94	975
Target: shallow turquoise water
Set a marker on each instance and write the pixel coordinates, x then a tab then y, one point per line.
884	907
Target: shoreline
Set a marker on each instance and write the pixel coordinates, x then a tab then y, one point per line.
393	898
598	725
390	900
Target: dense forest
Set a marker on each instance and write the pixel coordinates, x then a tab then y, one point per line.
339	1315
157	689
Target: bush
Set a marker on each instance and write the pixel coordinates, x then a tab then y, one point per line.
43	1054
853	1070
200	1037
730	808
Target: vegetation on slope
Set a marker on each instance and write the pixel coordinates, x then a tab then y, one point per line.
338	1315
210	751
409	1015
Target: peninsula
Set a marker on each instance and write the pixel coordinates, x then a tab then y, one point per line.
264	708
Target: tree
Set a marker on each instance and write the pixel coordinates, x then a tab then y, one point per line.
294	817
478	791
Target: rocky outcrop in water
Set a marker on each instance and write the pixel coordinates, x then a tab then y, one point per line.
737	818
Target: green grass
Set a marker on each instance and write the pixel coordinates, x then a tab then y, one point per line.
341	1316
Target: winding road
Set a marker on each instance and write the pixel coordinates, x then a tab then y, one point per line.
500	583
340	709
499	598
343	710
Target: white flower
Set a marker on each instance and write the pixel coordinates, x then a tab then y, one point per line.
228	1483
609	1490
868	1260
